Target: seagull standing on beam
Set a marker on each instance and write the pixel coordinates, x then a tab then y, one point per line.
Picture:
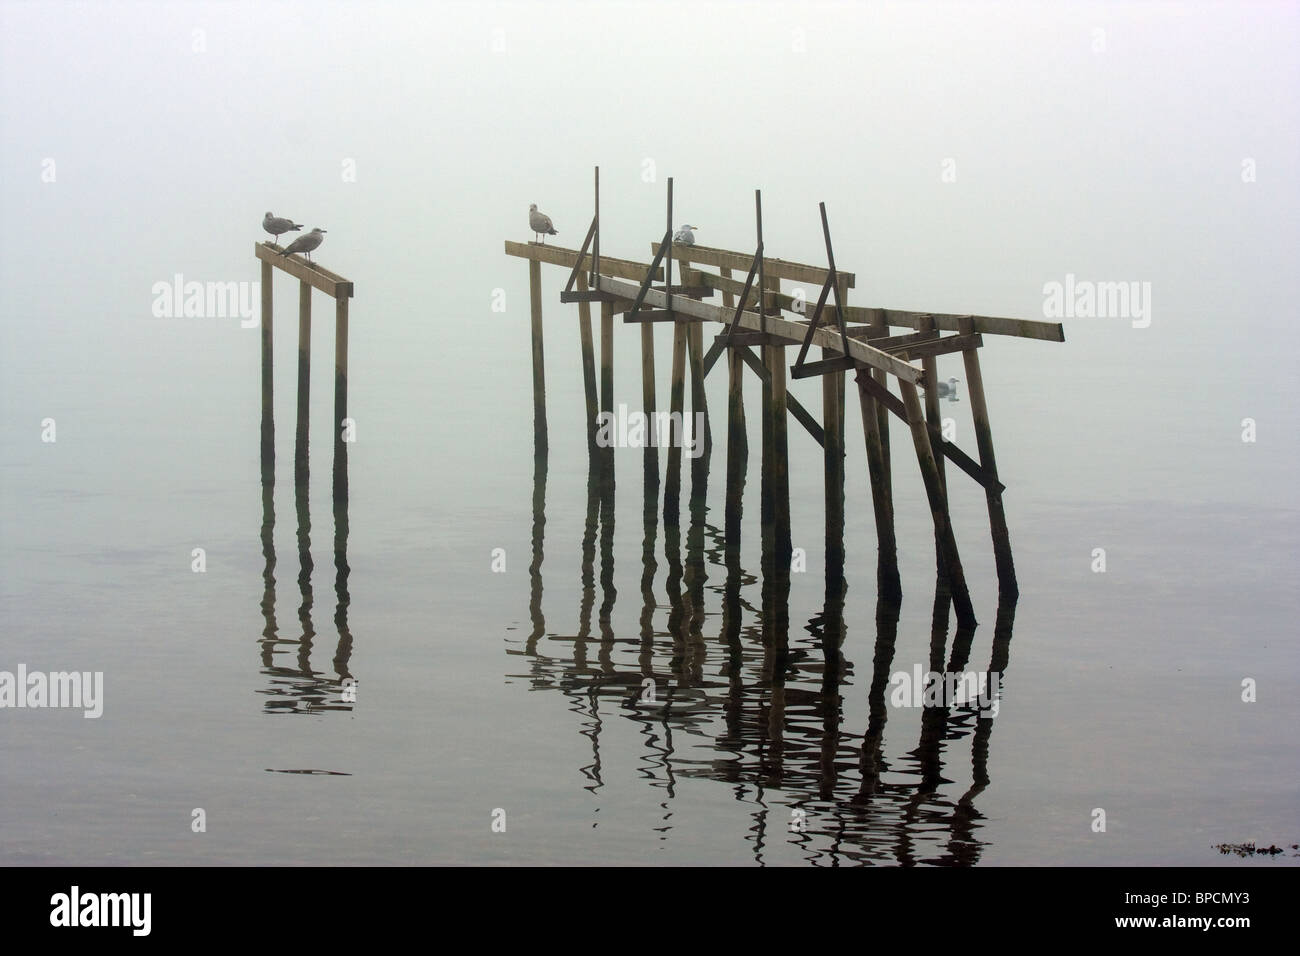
540	223
685	235
306	243
278	225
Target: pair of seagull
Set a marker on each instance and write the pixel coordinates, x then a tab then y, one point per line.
278	225
542	226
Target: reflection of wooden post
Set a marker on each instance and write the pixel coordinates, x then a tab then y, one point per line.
1007	587
588	362
304	380
539	365
340	397
934	491
268	380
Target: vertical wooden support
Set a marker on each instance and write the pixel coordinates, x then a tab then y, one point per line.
934	425
340	398
737	443
699	403
1007	586
888	582
934	491
588	363
651	455
304	382
833	426
268	380
676	401
607	357
779	459
539	366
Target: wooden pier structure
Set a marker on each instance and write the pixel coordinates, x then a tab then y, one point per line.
310	276
757	314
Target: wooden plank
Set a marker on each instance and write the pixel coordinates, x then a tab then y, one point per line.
560	256
793	332
941	346
305	271
772	268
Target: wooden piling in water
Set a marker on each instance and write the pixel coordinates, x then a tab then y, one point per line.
304	382
588	363
607	357
1007	585
539	365
934	425
676	401
268	379
650	456
340	399
934	491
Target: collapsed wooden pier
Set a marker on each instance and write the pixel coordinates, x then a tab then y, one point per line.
757	313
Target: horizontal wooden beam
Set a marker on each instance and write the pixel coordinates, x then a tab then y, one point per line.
560	256
298	267
793	332
939	346
780	268
989	325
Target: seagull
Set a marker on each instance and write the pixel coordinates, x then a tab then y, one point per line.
947	389
685	236
539	222
276	225
306	243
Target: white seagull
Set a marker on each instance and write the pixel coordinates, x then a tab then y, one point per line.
685	235
278	225
947	389
306	243
540	223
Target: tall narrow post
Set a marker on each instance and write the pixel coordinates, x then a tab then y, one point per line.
651	454
934	491
888	583
268	380
934	425
1008	589
676	402
304	382
588	363
342	433
833	458
607	357
539	366
779	459
699	403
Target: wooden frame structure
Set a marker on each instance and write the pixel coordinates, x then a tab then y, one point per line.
850	338
310	276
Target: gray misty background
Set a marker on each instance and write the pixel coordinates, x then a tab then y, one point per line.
1110	141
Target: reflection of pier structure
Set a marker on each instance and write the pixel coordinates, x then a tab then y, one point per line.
758	313
296	687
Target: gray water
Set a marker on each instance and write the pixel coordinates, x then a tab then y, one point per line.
480	690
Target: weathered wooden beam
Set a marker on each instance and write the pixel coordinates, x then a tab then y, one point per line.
792	332
303	270
588	363
797	409
560	256
340	475
932	347
268	379
934	490
1007	586
304	383
772	268
540	443
989	325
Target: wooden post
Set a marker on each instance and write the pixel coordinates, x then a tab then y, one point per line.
539	366
340	398
934	491
651	455
929	366
588	363
1007	587
888	583
699	404
778	460
676	401
737	450
833	457
607	357
268	380
304	382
